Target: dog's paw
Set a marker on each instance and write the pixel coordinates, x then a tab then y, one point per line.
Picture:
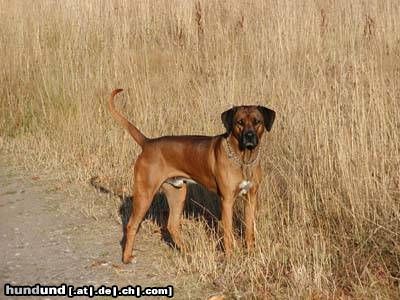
127	259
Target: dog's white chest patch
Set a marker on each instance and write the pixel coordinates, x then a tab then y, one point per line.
244	187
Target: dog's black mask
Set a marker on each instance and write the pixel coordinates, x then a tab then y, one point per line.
248	140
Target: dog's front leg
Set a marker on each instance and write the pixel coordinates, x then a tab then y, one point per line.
227	215
249	218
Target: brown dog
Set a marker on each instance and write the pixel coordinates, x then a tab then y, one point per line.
227	164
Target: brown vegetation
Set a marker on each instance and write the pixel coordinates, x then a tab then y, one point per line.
329	218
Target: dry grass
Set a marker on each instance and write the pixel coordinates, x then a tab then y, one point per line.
329	218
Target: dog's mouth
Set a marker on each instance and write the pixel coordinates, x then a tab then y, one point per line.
250	146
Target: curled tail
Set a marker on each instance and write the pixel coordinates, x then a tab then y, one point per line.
133	131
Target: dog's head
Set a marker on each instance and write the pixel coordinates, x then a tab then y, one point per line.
247	124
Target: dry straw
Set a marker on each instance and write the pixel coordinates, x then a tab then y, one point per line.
328	219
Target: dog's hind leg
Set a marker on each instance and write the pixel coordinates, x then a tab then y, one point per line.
176	202
146	184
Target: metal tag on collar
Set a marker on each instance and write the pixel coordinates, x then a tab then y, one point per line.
244	187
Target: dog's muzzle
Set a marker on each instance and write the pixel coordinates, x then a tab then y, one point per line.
249	140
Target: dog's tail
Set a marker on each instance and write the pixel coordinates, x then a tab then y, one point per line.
133	131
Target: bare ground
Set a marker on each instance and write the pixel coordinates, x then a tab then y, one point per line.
48	239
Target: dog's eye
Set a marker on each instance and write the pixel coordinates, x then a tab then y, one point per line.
256	121
240	122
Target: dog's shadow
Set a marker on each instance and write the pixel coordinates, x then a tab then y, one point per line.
200	204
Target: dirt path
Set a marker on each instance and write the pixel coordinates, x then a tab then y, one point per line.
45	241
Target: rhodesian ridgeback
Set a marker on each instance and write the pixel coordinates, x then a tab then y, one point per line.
227	164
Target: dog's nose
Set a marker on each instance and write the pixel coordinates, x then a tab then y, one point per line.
249	140
250	134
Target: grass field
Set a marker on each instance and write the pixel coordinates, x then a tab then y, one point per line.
329	218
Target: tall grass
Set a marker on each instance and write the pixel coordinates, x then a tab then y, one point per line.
329	217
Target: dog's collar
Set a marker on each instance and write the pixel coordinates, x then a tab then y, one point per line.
235	158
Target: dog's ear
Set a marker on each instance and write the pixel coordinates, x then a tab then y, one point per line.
269	116
227	119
